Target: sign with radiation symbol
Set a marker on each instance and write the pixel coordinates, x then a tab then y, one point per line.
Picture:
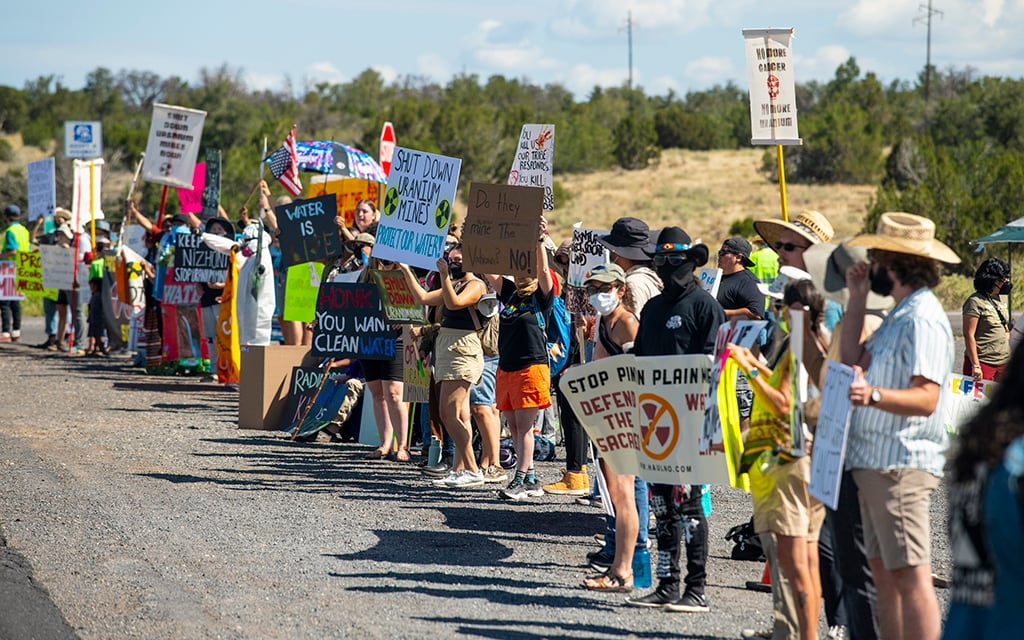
443	214
659	425
391	199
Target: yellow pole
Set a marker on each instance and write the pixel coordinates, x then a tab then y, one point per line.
782	181
92	210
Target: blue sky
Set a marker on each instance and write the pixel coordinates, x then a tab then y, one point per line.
677	44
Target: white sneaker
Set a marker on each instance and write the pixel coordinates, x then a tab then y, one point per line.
443	482
466	480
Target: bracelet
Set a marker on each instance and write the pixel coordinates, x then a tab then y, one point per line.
753	373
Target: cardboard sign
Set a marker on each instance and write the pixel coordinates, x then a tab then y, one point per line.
831	434
308	230
350	323
83	139
302	391
772	87
86	197
8	281
399	305
191	200
173	145
28	274
417	208
58	265
961	399
194	261
585	253
211	184
534	161
644	415
176	292
710	280
500	233
42	189
415	372
300	292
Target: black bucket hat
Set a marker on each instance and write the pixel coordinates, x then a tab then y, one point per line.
629	238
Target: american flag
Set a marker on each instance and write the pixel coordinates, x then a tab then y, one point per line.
285	166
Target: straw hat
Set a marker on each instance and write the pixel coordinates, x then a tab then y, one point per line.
906	233
828	264
812	225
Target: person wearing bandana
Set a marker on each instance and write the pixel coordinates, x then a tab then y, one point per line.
683	319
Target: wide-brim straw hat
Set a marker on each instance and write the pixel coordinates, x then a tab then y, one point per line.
902	232
812	225
828	263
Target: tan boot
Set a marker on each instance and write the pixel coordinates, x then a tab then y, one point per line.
572	484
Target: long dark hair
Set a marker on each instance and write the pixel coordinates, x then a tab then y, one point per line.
1000	422
990	273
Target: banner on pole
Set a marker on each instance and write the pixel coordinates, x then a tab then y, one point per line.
42	189
534	160
173	146
88	178
772	86
211	186
191	200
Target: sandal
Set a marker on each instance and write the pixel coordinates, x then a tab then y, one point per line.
376	454
402	455
609	583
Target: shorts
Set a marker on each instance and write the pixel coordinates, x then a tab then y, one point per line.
458	355
894	507
63	297
782	502
483	391
528	388
392	370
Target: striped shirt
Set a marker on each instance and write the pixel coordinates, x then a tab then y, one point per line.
914	340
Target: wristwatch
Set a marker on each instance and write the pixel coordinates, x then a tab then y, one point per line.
876	396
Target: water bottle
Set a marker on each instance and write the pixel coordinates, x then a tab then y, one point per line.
641	568
434	453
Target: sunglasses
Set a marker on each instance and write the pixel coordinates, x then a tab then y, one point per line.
787	246
448	246
724	252
604	288
385	263
673	259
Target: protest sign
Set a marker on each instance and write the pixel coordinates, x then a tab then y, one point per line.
644	414
173	145
28	274
348	191
305	382
196	262
350	323
83	139
58	265
831	434
501	229
415	372
183	336
742	333
134	237
308	230
42	189
191	200
961	399
300	292
8	281
178	292
417	208
86	197
585	253
772	88
710	280
399	305
211	184
534	161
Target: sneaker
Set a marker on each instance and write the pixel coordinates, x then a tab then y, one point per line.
494	474
533	489
443	482
5	337
573	483
755	633
656	599
15	336
689	603
439	470
837	632
516	490
589	501
600	560
466	480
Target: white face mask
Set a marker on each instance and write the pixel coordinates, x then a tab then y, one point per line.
604	303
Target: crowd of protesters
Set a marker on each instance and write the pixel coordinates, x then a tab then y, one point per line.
868	303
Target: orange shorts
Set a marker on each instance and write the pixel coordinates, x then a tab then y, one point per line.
528	388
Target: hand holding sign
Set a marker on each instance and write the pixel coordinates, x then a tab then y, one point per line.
503	226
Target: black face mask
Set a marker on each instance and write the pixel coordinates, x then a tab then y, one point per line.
678	280
455	270
1006	289
880	281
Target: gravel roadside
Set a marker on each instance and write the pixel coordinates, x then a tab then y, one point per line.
146	513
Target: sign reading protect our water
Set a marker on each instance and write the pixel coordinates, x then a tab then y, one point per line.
173	146
535	160
417	208
772	86
83	139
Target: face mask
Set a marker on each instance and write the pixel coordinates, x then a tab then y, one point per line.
1006	289
880	281
604	303
678	280
455	270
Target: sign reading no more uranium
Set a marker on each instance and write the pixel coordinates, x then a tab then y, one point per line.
772	86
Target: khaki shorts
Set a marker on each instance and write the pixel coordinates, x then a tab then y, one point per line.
458	355
894	508
782	504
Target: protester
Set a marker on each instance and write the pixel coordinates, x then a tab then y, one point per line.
986	323
97	321
897	437
209	299
364	220
683	319
51	322
16	238
741	299
627	245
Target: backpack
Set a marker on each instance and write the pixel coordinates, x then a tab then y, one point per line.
557	332
746	543
488	332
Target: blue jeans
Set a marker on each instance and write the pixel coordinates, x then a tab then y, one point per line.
643	510
50	317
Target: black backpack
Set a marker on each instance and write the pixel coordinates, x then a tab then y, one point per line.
746	543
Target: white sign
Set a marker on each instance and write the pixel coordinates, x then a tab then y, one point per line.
417	208
962	397
742	333
644	415
8	280
831	435
42	190
134	237
85	194
710	280
59	266
534	160
585	253
173	146
83	139
772	87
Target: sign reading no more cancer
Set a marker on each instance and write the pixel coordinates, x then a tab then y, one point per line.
772	86
350	323
501	229
308	230
196	262
417	208
173	145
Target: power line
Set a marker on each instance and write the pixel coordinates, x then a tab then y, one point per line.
926	18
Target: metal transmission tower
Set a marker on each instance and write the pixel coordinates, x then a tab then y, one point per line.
629	41
926	18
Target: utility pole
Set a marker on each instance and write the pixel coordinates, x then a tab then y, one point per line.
926	18
629	41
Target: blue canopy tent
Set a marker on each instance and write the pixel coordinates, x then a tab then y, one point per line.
1008	233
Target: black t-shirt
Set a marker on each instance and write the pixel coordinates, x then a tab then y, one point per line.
739	291
460	318
685	325
521	343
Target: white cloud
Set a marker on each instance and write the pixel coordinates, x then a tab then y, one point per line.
434	66
711	70
822	63
508	47
991	10
388	73
601	19
876	17
324	72
264	81
662	85
581	78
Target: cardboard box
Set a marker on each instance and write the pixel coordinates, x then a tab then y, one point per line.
263	387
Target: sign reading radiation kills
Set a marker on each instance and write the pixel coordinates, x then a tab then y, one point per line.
772	88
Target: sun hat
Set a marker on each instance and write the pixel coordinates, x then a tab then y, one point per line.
629	238
60	213
739	246
786	275
812	225
828	264
902	232
606	273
